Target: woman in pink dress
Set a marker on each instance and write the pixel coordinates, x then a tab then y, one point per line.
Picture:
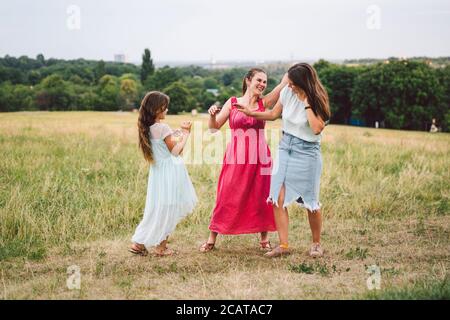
244	182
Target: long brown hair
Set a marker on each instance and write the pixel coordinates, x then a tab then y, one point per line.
249	76
154	102
305	77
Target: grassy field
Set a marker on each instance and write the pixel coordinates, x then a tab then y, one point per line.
72	190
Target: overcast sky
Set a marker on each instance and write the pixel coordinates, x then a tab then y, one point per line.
190	30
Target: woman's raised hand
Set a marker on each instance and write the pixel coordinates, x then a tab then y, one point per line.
213	110
285	79
244	108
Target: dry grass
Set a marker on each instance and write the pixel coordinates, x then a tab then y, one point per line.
72	189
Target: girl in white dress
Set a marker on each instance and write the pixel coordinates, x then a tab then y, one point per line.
170	193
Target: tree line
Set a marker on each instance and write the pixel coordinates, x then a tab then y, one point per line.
400	94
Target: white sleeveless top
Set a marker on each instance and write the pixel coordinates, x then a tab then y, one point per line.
294	117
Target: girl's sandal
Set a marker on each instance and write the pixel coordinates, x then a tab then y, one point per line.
277	252
206	247
165	252
265	245
138	250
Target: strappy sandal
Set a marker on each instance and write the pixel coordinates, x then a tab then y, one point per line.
277	252
138	250
166	252
206	247
265	245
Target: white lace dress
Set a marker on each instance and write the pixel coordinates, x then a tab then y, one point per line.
170	193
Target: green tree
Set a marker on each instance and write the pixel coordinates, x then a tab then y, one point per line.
162	78
16	97
108	93
128	93
271	84
210	83
34	77
100	70
179	97
5	93
227	92
14	75
40	58
22	97
231	75
322	64
147	68
85	96
206	100
402	94
53	93
339	81
126	76
87	99
444	101
227	78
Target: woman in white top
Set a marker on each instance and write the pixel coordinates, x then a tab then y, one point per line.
304	108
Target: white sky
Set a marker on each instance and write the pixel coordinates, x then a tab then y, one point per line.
190	30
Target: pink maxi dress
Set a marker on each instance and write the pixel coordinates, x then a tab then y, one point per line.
244	182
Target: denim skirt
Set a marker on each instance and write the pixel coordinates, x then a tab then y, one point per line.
298	166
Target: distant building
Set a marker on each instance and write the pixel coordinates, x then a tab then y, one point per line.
119	58
215	92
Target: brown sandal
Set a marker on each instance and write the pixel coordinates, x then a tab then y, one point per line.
138	249
277	252
206	247
165	252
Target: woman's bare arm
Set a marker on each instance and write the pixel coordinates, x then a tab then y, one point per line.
271	114
218	118
271	98
315	122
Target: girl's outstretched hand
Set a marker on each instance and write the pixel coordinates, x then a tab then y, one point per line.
243	108
186	125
